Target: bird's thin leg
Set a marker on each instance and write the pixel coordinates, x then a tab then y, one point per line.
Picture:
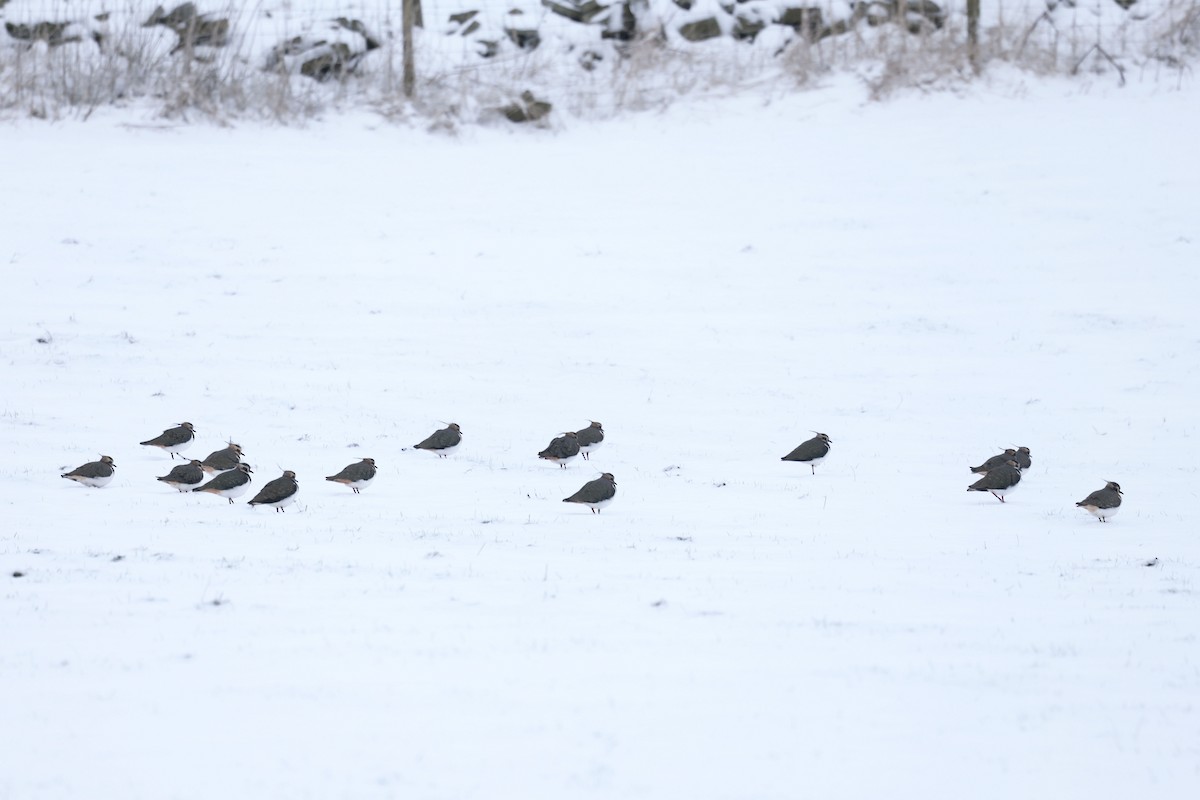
814	469
230	499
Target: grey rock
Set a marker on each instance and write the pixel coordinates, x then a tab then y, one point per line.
701	30
524	38
576	11
52	33
527	109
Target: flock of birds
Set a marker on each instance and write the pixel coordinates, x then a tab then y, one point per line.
1001	474
231	476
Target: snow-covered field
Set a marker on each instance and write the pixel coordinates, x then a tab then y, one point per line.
927	281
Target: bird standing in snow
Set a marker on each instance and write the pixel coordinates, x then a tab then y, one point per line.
185	476
443	442
1103	503
278	493
995	461
229	485
173	440
590	439
999	481
595	494
562	449
357	476
811	452
93	473
223	460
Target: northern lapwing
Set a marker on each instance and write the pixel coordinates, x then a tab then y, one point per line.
1103	503
999	481
223	460
93	473
185	477
357	476
996	461
595	494
279	492
590	439
443	442
230	484
1024	458
811	452
173	440
562	449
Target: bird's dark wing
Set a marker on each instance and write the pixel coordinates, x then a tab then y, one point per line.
440	440
1101	498
180	473
170	438
276	490
355	472
594	492
999	478
92	469
991	464
223	459
589	436
562	447
228	480
807	451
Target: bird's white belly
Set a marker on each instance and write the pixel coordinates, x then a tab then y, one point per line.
236	491
95	482
1102	512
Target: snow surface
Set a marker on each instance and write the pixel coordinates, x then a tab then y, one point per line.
927	281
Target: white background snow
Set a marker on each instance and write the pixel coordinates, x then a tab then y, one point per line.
927	281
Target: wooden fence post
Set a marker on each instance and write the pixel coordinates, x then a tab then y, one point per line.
973	33
410	16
